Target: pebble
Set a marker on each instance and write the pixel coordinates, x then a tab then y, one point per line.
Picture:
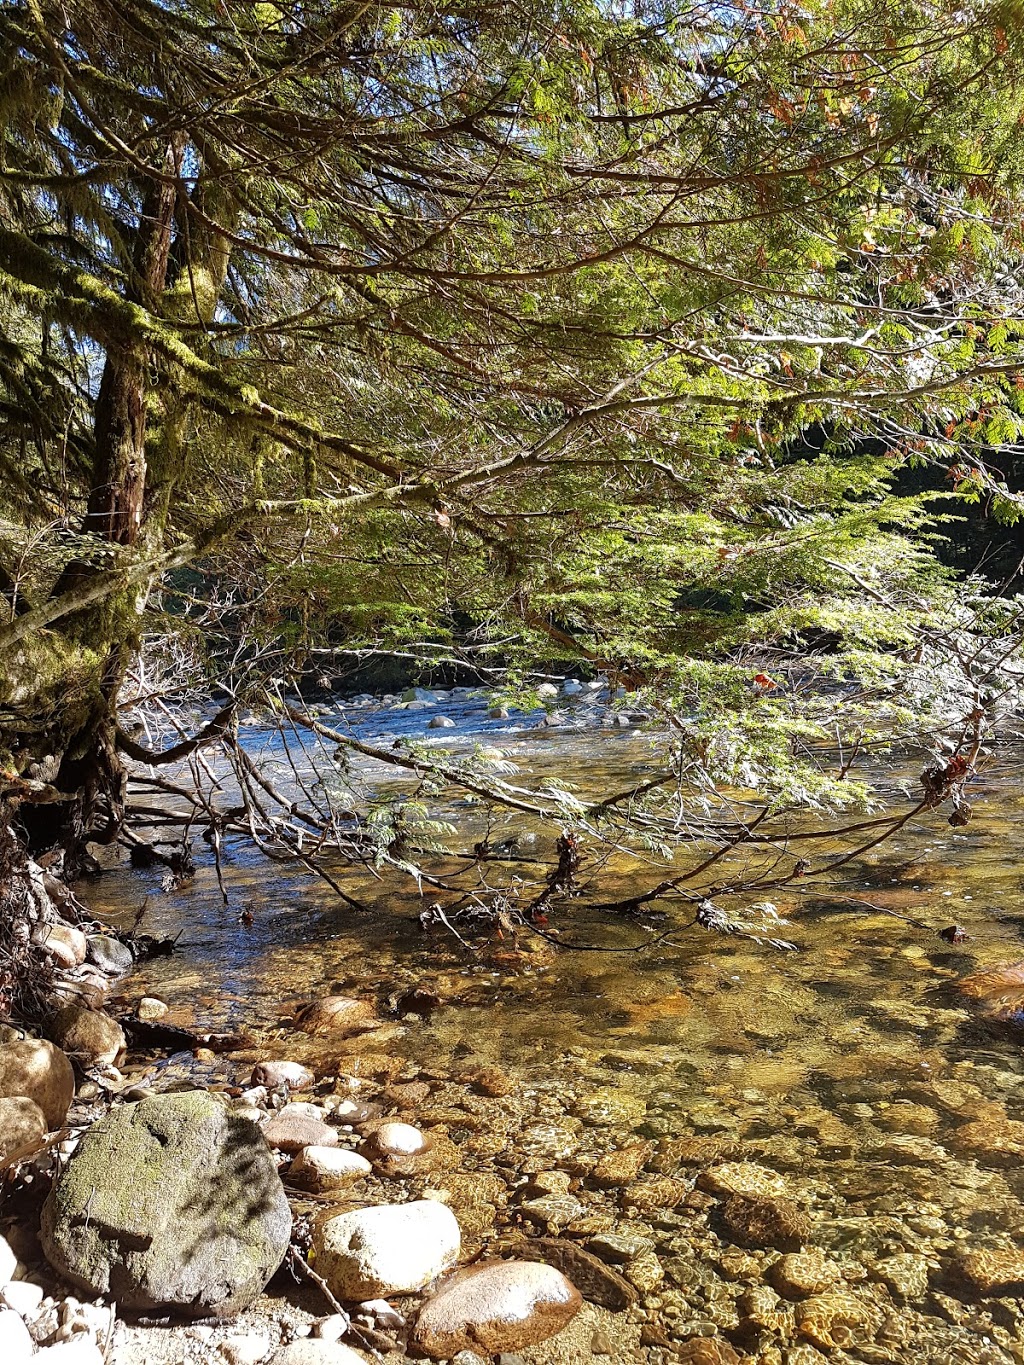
607	1106
383	1314
332	1328
150	1009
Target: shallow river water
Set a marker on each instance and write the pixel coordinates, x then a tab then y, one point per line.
882	1118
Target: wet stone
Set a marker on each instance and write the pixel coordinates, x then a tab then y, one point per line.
555	1210
802	1274
644	1271
608	1106
765	1222
999	1142
294	1128
833	1320
743	1177
623	1166
905	1275
618	1247
595	1280
984	1273
504	1306
654	1195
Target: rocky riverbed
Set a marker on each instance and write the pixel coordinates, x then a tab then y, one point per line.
708	1152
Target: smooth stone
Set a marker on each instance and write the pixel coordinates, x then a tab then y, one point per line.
440	723
247	1349
23	1297
273	1074
16	1345
389	1249
34	1067
396	1139
337	1014
171	1203
312	1351
505	1306
333	1327
66	944
295	1127
79	1351
595	1280
547	690
8	1262
90	1035
110	954
327	1168
150	1009
385	1316
22	1129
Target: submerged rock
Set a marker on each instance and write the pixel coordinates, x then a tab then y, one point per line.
90	1035
596	1281
802	1274
38	1069
390	1249
501	1307
338	1014
22	1129
765	1222
985	1273
173	1203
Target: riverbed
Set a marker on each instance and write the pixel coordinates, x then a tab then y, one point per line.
848	1069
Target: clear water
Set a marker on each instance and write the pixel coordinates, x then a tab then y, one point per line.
851	1066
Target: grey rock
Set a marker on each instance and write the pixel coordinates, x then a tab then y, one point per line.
170	1203
110	954
440	723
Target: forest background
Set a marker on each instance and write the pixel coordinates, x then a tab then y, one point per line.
657	343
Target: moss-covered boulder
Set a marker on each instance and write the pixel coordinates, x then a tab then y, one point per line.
173	1203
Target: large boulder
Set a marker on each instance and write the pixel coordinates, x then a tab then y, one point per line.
34	1067
390	1249
173	1203
90	1035
505	1306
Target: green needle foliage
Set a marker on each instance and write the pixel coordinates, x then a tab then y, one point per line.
576	332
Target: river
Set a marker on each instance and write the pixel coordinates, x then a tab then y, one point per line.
849	1068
